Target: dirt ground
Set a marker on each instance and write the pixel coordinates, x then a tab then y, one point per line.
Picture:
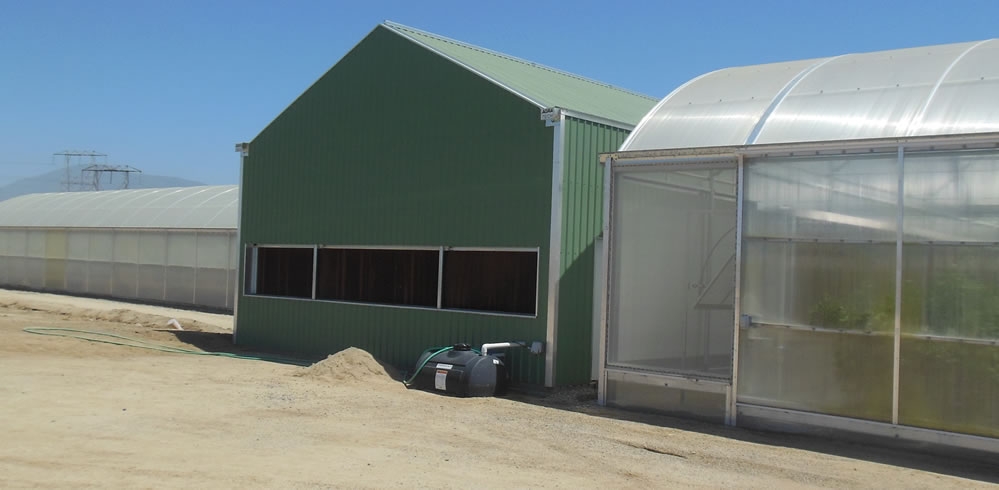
83	414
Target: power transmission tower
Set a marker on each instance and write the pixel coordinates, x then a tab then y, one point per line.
67	184
97	171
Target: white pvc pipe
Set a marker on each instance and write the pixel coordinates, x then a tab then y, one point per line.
499	345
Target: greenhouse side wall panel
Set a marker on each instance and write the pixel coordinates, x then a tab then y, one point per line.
819	285
128	264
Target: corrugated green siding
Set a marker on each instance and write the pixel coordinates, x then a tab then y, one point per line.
397	146
582	220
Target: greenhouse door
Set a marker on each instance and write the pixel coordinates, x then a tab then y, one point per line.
672	287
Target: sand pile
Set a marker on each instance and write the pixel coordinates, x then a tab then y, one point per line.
350	365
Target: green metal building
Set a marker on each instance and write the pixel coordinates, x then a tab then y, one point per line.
425	192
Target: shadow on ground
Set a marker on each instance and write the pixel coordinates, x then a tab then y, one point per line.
980	467
221	343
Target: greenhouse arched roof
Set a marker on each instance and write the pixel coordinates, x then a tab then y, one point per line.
934	90
202	207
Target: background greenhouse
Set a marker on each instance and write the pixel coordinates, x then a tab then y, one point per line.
172	245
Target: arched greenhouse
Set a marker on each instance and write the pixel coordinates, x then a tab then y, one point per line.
173	245
813	244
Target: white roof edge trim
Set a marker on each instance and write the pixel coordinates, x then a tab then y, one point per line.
914	123
779	98
397	28
648	115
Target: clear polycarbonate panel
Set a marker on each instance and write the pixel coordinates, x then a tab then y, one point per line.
672	283
965	101
99	277
717	109
233	252
76	276
126	247
180	284
949	377
824	285
124	280
952	196
101	245
182	249
231	288
818	285
36	244
16	267
847	374
211	287
670	401
849	197
213	250
150	282
949	386
152	248
867	95
946	89
78	245
34	273
17	243
182	207
5	245
55	274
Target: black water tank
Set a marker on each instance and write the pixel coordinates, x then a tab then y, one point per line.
462	372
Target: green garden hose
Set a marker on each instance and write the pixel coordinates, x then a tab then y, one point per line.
425	361
437	350
93	336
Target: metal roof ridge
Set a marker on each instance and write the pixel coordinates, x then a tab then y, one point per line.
396	27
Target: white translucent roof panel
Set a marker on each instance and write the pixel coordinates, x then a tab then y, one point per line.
959	103
946	89
720	106
202	207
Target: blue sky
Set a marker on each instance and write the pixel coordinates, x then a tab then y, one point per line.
170	86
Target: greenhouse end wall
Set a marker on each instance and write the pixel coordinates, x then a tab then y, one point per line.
181	267
867	282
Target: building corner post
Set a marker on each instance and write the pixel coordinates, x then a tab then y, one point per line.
555	119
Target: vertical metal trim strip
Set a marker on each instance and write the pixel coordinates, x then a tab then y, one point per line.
899	231
605	296
440	278
315	268
554	250
240	264
730	416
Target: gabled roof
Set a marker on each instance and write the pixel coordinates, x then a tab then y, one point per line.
539	84
933	90
201	207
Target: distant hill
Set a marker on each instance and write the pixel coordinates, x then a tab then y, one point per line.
52	182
